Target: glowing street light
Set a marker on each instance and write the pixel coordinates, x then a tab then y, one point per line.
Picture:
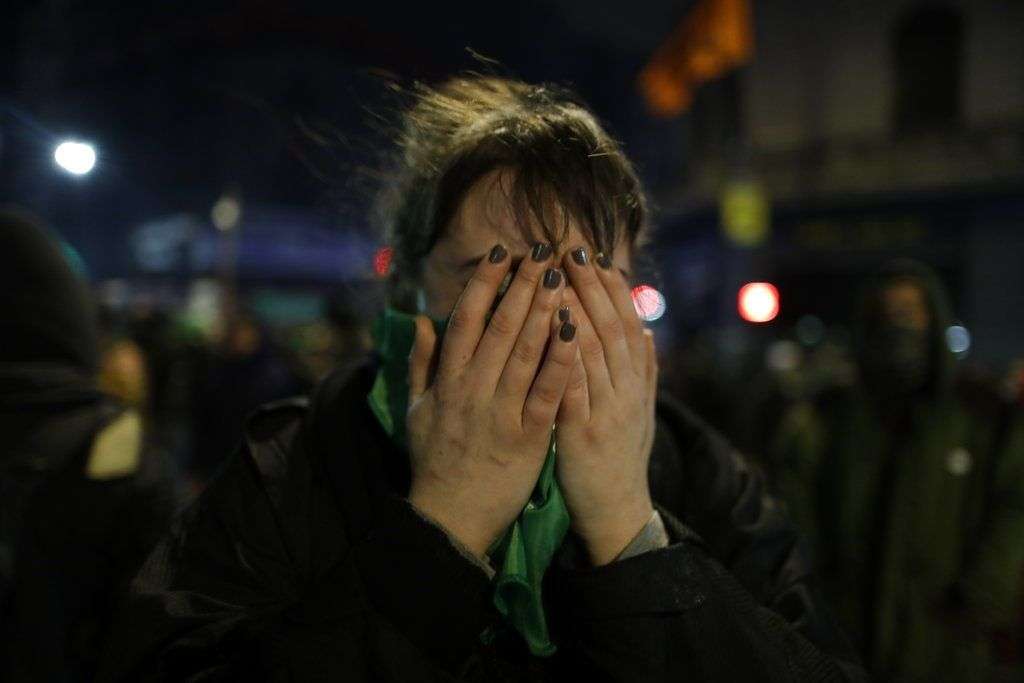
77	158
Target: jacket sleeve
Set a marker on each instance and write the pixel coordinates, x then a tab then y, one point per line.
256	581
731	597
990	587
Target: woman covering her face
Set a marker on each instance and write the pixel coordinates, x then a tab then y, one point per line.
499	492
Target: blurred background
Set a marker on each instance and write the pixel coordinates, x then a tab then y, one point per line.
210	169
203	157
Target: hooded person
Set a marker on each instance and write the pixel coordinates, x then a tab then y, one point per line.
498	492
82	499
910	485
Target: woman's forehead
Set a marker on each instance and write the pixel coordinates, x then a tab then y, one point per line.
486	216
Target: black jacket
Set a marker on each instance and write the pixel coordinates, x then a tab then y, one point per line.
302	561
71	534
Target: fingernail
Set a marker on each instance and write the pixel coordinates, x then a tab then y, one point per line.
566	332
563	314
498	254
604	261
552	278
541	252
579	255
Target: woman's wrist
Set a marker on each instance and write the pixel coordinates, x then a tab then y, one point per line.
605	540
474	539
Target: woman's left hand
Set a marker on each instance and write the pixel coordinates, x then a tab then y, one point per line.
605	425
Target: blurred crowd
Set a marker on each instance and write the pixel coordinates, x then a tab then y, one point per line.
903	466
198	387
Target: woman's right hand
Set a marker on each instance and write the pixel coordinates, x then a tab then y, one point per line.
479	431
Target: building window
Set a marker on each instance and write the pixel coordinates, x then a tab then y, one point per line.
928	58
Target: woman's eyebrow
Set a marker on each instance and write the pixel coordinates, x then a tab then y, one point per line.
477	259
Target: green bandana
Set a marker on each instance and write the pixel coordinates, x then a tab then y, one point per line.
523	554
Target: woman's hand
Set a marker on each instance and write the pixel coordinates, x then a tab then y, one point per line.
606	420
479	432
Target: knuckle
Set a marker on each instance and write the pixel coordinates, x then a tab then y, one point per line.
577	383
616	421
529	274
587	276
464	410
526	351
500	458
501	324
634	326
487	274
460	319
484	278
546	394
611	328
537	413
591	348
563	361
446	402
547	302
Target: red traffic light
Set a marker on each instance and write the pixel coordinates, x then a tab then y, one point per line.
758	302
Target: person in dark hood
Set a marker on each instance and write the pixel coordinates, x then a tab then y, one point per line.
81	498
911	485
499	492
903	353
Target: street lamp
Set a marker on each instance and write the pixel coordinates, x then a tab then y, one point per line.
77	158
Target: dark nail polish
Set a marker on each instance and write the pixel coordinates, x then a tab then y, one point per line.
566	332
552	278
563	314
579	255
604	261
541	252
498	254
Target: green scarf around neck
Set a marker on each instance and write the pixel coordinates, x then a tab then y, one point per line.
525	551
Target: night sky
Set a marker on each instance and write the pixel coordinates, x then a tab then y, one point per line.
186	99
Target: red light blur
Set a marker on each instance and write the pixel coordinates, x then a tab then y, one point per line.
758	302
648	302
382	261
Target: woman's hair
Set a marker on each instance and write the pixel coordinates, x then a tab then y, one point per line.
558	155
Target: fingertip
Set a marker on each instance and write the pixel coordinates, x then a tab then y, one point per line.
652	353
420	354
424	330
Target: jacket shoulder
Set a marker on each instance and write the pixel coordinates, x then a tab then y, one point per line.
286	441
270	419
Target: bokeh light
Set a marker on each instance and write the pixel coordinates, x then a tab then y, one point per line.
958	339
77	158
783	356
382	261
226	213
649	303
810	330
758	302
